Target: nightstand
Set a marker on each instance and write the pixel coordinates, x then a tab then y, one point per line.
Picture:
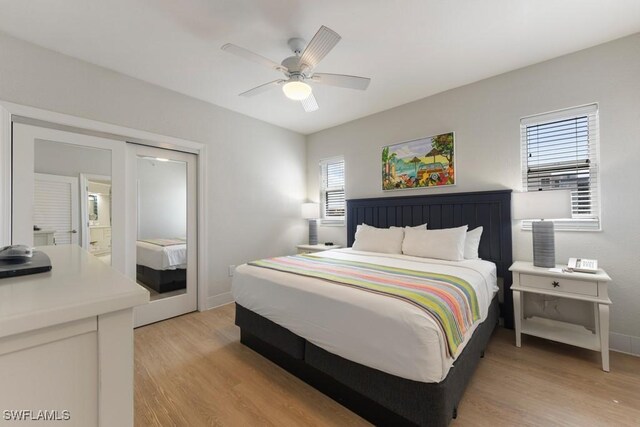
309	249
592	288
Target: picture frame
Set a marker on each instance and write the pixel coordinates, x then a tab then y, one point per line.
419	163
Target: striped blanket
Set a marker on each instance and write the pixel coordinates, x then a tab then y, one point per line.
449	300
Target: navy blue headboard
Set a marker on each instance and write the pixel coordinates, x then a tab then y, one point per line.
489	209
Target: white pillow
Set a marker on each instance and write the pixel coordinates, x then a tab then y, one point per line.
447	243
383	240
472	243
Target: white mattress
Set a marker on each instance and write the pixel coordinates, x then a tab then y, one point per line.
161	257
374	330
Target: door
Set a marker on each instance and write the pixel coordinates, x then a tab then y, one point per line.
47	165
55	209
95	215
163	185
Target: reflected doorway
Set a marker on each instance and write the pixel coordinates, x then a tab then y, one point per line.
96	213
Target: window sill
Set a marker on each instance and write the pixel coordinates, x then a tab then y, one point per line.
332	223
569	225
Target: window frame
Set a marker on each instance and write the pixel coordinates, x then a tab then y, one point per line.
334	220
577	222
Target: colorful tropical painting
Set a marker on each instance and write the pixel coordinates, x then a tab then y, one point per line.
424	162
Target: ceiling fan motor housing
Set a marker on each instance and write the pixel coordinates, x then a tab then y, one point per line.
292	64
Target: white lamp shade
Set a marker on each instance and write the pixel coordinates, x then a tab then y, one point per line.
554	204
310	210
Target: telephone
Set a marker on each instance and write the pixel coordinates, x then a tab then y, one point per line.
16	253
583	265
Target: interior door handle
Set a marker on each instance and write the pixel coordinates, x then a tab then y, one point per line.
72	231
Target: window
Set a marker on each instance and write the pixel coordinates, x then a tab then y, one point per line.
560	151
332	190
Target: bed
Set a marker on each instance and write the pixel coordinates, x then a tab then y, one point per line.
161	264
407	377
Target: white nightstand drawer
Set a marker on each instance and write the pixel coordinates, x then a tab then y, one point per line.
559	285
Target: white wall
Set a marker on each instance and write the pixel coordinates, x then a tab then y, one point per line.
485	117
162	199
256	171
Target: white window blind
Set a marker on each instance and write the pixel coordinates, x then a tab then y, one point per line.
332	190
560	151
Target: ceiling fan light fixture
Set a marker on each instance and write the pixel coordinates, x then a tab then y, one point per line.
296	90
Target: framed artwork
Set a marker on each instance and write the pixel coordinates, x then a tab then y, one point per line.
421	163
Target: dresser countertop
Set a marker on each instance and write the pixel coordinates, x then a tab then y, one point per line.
78	286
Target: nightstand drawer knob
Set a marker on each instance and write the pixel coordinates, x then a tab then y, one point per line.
555	284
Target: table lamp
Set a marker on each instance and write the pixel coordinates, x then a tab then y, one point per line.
311	211
538	206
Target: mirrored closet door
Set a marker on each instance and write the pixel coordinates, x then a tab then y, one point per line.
68	188
164	187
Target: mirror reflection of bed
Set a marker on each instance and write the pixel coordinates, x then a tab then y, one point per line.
162	265
161	247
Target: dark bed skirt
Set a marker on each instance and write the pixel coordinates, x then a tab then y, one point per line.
162	280
381	398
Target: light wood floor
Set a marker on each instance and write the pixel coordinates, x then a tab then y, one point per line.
193	371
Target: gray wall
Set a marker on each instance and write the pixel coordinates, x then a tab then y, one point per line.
162	199
256	171
485	117
57	158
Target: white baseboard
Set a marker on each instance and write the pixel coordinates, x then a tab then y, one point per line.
219	300
624	343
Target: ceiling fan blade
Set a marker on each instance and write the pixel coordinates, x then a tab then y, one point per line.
262	88
310	104
321	44
247	54
341	80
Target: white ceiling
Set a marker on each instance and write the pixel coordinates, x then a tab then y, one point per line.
409	48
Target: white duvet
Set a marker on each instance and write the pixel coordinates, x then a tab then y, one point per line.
374	330
161	257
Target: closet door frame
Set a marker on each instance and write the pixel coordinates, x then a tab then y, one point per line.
10	112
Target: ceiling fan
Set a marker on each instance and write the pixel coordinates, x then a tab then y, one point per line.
298	69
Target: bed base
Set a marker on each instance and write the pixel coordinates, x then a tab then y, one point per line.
380	398
162	281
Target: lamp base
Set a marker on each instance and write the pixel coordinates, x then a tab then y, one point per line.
544	247
313	232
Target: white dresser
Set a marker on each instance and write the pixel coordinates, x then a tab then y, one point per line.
66	342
